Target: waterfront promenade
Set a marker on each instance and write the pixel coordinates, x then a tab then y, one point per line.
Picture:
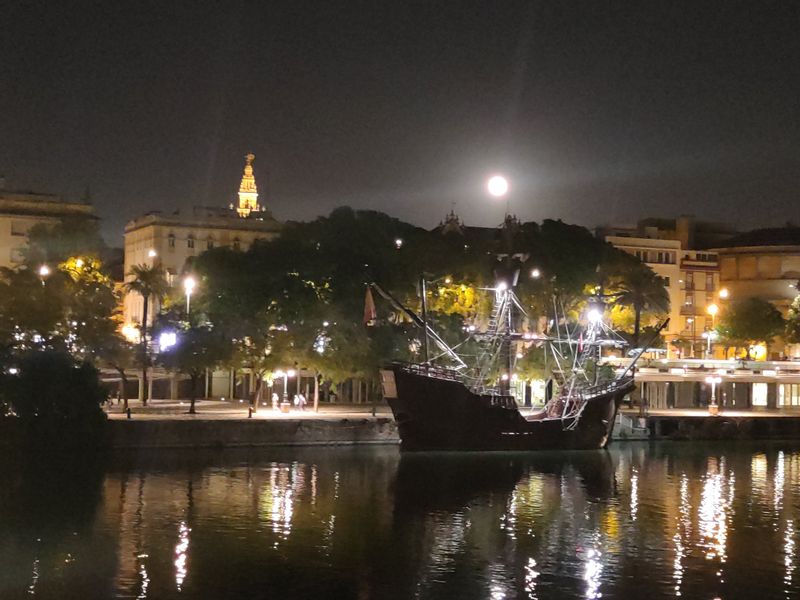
235	410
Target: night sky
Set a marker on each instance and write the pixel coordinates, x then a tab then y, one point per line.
598	112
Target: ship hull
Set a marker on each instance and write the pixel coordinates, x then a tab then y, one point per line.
442	414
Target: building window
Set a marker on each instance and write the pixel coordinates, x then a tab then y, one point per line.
689	283
689	299
170	276
190	242
789	394
209	244
666	281
237	245
171	240
759	394
709	282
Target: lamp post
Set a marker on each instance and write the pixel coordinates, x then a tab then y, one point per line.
711	309
709	335
188	286
291	373
713	380
44	272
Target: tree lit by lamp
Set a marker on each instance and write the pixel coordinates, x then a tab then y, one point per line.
131	333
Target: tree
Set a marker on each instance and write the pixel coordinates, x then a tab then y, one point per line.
197	348
77	236
793	322
748	322
643	291
57	397
118	353
149	283
74	307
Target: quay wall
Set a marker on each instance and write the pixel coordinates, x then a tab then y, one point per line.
724	428
176	433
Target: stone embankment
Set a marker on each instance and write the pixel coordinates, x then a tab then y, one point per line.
230	433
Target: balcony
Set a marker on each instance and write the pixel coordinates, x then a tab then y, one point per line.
690	310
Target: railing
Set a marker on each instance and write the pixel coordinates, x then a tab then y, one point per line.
436	371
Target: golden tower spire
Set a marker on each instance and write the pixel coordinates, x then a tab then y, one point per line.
248	192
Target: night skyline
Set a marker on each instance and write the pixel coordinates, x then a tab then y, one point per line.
597	114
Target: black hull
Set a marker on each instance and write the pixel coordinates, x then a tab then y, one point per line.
442	414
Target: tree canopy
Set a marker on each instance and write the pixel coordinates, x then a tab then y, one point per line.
750	321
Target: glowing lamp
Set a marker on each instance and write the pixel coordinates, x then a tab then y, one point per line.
291	372
167	340
536	273
44	271
724	293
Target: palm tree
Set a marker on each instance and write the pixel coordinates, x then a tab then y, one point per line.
149	283
643	291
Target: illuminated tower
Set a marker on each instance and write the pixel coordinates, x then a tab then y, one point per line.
248	193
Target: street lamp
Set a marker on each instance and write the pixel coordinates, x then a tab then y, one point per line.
724	293
535	273
709	336
398	243
188	286
152	253
712	309
44	272
713	380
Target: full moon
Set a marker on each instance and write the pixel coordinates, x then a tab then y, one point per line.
497	186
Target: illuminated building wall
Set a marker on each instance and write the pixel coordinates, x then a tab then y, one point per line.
20	211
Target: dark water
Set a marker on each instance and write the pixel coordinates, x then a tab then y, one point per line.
696	521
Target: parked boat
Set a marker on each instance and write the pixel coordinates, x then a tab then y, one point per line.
470	406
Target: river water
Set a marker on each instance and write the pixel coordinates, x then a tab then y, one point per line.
639	521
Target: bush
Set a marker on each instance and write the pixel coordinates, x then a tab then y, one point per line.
57	398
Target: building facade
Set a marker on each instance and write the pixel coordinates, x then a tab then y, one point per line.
764	263
674	249
170	240
21	211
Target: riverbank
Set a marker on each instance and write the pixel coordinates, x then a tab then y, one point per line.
238	433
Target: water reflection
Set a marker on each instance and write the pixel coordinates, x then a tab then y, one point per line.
641	521
788	555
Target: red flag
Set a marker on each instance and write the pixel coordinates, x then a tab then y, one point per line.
370	314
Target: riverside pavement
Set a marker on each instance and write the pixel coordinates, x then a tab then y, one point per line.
178	410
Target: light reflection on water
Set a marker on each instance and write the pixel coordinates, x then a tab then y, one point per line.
651	521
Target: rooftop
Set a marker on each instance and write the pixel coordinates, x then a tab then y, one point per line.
774	236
